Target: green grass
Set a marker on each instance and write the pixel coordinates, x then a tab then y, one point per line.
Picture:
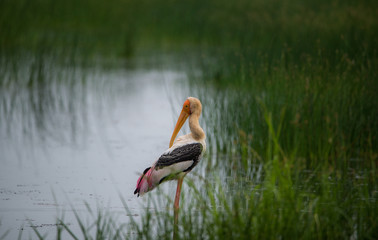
289	90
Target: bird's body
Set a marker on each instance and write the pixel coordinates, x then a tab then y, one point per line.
182	155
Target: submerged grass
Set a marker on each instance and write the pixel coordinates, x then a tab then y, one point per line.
289	90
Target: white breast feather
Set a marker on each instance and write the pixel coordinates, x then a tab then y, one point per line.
184	140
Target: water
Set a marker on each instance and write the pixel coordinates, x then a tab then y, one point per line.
80	136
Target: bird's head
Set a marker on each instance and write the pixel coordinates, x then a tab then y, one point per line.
191	106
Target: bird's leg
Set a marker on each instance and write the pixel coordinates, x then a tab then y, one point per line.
177	205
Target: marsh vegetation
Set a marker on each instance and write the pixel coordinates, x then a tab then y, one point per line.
289	90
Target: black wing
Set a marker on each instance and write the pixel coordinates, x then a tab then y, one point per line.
188	152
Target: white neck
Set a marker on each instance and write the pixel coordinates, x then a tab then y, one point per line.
195	128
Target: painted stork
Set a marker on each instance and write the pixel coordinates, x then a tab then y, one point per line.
181	157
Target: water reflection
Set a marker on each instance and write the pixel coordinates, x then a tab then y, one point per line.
80	135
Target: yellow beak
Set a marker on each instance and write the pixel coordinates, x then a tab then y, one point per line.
181	120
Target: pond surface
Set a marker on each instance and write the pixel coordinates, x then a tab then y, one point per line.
65	143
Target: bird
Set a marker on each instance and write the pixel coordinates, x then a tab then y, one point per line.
182	155
180	158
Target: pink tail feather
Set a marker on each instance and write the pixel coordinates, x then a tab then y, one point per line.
144	183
